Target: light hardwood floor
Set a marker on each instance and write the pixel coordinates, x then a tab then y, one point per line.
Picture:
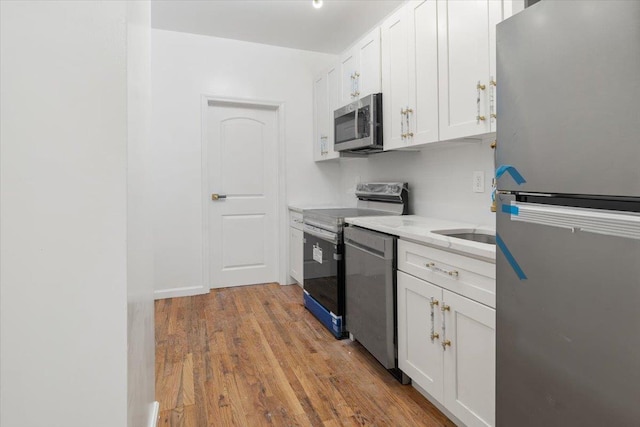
253	356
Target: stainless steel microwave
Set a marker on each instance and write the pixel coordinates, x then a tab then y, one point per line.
358	125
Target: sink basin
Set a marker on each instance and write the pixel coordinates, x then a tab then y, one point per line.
472	235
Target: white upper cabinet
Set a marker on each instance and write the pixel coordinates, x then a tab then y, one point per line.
466	64
434	62
368	79
360	69
333	82
423	69
410	75
324	93
395	79
348	75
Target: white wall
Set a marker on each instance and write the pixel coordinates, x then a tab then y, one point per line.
186	66
140	312
440	179
63	216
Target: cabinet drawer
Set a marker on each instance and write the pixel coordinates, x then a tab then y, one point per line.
466	276
295	220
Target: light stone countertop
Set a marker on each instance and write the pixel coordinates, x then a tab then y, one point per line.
421	229
301	207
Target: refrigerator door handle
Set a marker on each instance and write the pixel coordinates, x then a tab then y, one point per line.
611	223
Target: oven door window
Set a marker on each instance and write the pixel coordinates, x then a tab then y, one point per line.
345	127
364	122
321	272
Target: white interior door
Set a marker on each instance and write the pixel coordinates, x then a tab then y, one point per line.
242	169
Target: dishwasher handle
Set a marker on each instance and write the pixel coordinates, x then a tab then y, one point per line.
373	242
370	251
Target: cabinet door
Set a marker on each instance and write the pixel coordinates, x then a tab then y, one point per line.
368	72
348	70
295	254
463	61
395	77
423	71
320	122
324	88
496	13
420	356
333	87
470	360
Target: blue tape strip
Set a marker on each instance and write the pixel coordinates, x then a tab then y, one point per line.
511	209
519	179
510	259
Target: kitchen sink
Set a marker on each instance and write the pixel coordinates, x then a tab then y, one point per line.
474	236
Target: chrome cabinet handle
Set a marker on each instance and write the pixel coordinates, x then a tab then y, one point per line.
434	267
357	83
445	342
403	135
324	149
492	101
434	334
407	112
355	80
480	87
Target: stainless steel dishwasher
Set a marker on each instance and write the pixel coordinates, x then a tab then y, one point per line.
370	294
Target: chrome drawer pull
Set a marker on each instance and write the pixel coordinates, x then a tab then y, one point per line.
452	273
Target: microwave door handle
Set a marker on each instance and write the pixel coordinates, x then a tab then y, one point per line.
356	126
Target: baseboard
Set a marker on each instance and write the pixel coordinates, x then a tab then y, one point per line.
180	292
154	414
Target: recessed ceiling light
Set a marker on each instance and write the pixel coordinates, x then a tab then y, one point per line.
317	4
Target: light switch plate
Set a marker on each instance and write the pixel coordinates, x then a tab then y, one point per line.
478	182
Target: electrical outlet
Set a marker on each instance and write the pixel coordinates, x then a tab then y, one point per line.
478	182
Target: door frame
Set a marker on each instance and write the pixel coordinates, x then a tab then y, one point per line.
281	188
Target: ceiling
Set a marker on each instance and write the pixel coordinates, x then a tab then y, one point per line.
289	23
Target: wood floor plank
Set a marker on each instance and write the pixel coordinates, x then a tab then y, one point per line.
254	356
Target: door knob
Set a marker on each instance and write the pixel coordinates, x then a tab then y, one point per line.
216	196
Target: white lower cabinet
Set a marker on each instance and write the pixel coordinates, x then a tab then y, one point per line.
296	246
420	356
446	344
470	360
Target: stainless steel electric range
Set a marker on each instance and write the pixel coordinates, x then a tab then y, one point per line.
324	266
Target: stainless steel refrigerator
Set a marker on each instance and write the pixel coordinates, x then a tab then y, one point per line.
568	221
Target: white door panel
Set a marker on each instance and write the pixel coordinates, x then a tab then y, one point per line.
463	60
348	69
420	356
242	160
423	66
470	361
368	81
242	150
395	79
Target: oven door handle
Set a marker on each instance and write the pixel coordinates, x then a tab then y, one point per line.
321	234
